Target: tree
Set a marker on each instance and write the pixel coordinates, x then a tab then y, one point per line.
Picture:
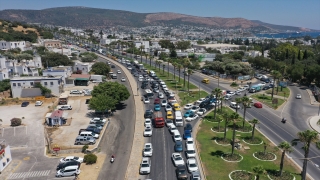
254	122
141	48
163	56
276	75
163	66
44	91
90	158
169	61
189	74
106	95
55	59
238	101
218	57
165	43
179	67
185	64
100	68
306	138
226	115
234	117
216	92
173	54
285	147
15	122
258	170
174	64
305	54
183	45
299	55
245	102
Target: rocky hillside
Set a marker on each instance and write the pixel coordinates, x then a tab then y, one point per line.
84	17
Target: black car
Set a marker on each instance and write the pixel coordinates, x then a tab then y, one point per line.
155	78
265	88
148	114
113	66
271	85
188	127
66	164
181	172
94	130
25	104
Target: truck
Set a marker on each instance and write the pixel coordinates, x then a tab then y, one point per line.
158	119
256	88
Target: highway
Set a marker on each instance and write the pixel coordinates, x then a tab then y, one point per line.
270	124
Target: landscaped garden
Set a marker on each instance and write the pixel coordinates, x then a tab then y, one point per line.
191	97
253	154
283	92
266	99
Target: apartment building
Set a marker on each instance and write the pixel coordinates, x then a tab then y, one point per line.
64	71
5	155
84	67
5	45
25	86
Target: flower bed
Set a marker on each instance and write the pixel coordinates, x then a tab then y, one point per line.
241	175
268	156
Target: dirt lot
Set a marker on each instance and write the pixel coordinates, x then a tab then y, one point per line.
64	136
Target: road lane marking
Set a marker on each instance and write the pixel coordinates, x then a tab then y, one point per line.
29	174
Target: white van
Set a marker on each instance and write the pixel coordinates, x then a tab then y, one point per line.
65	107
89	134
68	171
178	118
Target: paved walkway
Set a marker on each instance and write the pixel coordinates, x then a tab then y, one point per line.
138	139
313	100
313	123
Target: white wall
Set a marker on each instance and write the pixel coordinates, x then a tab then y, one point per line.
5	158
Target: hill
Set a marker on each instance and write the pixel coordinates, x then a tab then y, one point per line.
84	17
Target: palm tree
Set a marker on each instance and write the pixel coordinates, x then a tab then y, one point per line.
141	47
163	66
174	64
189	74
306	137
258	170
150	61
146	55
220	99
179	67
238	101
276	75
219	121
216	92
245	102
286	147
185	65
254	122
234	117
169	61
159	63
156	63
226	117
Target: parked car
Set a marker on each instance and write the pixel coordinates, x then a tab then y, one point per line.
38	103
188	113
71	158
68	171
187	134
201	111
147	122
65	107
148	113
168	108
146	100
157	107
298	96
147	131
145	166
164	102
75	92
178	147
156	101
192	165
169	122
188	127
257	105
177	159
97	119
69	163
181	172
123	79
147	150
192	117
160	95
81	140
25	104
188	106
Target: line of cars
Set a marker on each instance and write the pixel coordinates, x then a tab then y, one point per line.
69	166
89	135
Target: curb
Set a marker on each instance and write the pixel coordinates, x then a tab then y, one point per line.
309	121
275	157
202	172
310	96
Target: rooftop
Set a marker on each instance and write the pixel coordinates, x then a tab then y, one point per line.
218	45
57	113
34	78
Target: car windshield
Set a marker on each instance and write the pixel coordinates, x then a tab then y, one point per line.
190	152
182	171
189	142
177	136
148	129
144	165
147	150
193	165
177	158
76	158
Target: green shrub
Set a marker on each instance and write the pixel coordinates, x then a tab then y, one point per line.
90	158
16	122
84	148
233	84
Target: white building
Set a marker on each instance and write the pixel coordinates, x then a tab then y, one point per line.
107	41
84	67
5	155
25	86
10	68
145	44
253	53
4	45
64	71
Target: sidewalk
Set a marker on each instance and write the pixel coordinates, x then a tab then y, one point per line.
138	139
312	98
313	123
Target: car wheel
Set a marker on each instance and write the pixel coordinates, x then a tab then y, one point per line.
59	176
77	143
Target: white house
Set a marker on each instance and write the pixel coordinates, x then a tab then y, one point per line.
253	53
5	155
56	118
25	86
12	45
64	71
145	44
84	67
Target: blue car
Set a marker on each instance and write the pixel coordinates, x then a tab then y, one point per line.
187	134
157	107
188	113
178	147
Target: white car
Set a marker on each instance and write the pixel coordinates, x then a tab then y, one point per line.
165	89
262	83
189	142
177	136
147	150
298	96
147	122
164	102
38	103
96	119
192	117
169	122
140	76
172	128
168	108
71	158
145	166
246	87
146	100
177	159
234	105
140	79
195	109
242	89
188	106
201	111
160	95
123	79
192	165
238	92
163	86
147	131
201	100
161	82
190	153
119	72
231	94
129	67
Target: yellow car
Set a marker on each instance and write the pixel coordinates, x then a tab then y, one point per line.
169	115
176	107
206	81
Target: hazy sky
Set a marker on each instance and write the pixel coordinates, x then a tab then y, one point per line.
302	13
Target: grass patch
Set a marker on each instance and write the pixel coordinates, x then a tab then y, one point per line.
216	168
191	97
172	82
284	93
266	99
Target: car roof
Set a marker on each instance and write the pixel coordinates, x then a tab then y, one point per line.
190	139
192	160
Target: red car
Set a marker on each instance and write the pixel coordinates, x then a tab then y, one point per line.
258	105
157	101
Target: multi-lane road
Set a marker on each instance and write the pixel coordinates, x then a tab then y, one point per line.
296	111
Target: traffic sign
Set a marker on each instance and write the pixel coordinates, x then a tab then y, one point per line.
56	148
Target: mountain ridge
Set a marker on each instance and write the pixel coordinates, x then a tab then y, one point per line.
97	18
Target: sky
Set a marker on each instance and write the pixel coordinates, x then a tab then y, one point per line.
301	13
